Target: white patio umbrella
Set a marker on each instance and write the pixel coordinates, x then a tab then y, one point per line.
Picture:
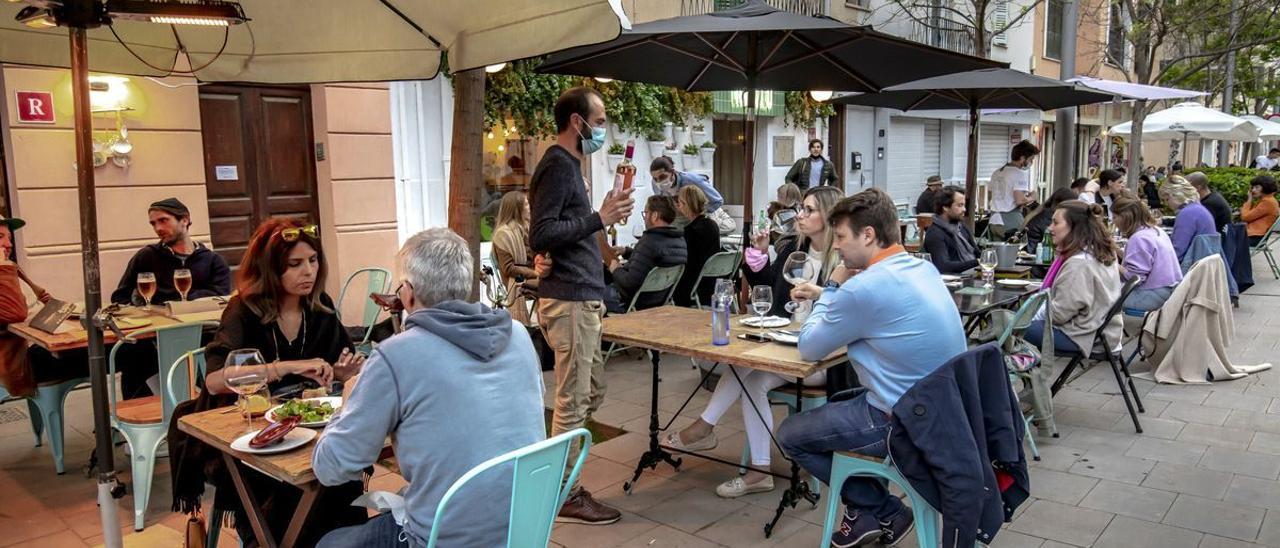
1140	94
1267	130
1192	120
268	41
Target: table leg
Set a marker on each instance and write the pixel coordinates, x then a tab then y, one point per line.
799	490
656	454
310	492
250	502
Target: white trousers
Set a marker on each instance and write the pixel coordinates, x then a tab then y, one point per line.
757	385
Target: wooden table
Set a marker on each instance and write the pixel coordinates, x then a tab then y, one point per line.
218	428
687	332
72	334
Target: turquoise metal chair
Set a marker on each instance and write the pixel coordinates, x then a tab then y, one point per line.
1264	247
538	488
1035	378
45	409
379	278
845	465
660	278
144	421
720	265
811	397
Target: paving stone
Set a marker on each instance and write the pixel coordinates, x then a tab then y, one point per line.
1214	541
1243	402
1128	500
1220	518
1186	412
745	527
1056	521
1099	441
1056	457
1112	467
573	535
1126	532
1254	492
1153	407
1079	398
1060	486
1012	539
1265	442
1088	418
1152	427
1188	393
1247	420
1241	462
1222	436
1188	479
692	511
1166	450
667	537
1270	534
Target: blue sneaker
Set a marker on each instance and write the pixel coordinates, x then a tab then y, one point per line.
897	528
856	530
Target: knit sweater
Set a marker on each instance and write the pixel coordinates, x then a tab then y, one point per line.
564	225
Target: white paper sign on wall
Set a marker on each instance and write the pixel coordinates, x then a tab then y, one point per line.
226	173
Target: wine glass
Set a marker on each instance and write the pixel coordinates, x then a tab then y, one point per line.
797	270
761	302
245	376
182	282
988	261
147	287
637	230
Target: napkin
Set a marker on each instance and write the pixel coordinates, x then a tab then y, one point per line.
384	501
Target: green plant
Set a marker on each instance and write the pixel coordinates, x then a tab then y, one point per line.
708	144
617	149
655	136
524	97
803	112
1232	182
690	149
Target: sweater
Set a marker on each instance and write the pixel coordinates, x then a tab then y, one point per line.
241	327
564	225
1082	293
701	240
210	275
477	396
659	246
897	321
1150	254
1260	215
1192	220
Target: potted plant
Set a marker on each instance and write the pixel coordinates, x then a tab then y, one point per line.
682	132
657	142
699	133
690	155
669	129
616	151
707	152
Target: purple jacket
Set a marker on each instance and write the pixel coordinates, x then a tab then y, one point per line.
1192	220
1150	254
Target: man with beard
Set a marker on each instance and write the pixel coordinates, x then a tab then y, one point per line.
171	220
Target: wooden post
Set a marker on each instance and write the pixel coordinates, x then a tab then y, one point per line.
465	177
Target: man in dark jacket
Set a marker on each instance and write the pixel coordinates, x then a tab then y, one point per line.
812	170
171	221
926	202
948	241
660	245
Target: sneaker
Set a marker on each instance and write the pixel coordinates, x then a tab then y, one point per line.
897	528
856	530
705	444
736	487
580	507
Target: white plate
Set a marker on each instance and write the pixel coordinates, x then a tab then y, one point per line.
767	321
335	401
1014	283
950	278
784	338
296	438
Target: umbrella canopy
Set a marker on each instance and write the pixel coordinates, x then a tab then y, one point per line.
310	41
1192	120
994	88
1131	91
1267	130
756	46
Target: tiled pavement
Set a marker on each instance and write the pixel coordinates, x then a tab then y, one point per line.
1203	474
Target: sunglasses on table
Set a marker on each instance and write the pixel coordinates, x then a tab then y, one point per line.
292	234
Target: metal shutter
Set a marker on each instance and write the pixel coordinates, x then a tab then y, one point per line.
931	160
906	140
993	148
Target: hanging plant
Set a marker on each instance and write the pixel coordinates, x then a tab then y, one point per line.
803	112
525	98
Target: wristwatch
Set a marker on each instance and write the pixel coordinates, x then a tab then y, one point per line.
832	284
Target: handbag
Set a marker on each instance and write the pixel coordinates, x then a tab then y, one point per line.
197	531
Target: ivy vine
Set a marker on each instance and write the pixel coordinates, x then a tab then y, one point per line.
803	111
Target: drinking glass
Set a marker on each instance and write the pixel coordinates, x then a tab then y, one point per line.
637	230
147	287
182	282
797	270
988	261
761	302
245	376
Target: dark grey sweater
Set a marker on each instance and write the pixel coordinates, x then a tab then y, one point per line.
564	225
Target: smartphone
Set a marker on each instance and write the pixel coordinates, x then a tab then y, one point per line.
755	336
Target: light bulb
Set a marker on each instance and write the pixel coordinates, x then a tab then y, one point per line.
820	95
492	69
603	80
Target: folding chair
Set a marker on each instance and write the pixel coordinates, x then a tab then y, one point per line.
660	278
1264	247
1101	350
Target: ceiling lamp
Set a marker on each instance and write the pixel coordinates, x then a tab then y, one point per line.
603	80
494	69
820	95
209	13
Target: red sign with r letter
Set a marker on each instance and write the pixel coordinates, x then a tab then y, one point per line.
35	107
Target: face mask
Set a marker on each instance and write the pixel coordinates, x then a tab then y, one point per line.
666	183
594	143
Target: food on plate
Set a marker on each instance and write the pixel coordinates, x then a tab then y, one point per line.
308	411
256	404
273	433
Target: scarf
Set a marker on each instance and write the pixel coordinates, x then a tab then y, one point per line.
1053	271
965	248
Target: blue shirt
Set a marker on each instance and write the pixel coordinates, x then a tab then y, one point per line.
896	320
685	178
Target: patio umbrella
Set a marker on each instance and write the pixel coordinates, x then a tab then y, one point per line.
756	47
1267	130
986	88
1191	119
1140	94
283	41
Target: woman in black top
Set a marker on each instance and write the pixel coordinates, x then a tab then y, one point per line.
702	240
282	311
1040	220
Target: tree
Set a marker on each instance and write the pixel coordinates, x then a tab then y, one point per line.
977	22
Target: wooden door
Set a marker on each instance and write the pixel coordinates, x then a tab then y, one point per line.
258	159
729	172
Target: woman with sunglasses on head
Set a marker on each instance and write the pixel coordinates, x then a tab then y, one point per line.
282	311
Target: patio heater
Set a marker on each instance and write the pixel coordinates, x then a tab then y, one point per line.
78	16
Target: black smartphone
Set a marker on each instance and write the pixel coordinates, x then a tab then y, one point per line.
755	336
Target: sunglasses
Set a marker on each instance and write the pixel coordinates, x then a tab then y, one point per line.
292	234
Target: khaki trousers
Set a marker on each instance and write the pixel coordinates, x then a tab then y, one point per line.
572	329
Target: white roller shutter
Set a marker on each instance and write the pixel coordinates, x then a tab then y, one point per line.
993	149
931	160
906	148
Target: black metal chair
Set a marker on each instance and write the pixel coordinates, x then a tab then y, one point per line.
1103	351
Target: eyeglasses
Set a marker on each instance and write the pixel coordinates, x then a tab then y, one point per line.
292	234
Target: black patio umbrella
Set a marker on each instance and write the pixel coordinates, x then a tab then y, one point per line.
974	90
755	47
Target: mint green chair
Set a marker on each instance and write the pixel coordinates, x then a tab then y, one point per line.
811	397
538	488
845	464
720	265
379	278
1035	378
1264	247
659	278
144	421
45	409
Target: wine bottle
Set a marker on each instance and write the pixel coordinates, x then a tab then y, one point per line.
626	171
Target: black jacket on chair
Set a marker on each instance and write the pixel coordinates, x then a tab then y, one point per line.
661	246
952	433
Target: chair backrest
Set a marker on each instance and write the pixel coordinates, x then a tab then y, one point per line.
722	264
1269	236
660	278
1022	318
189	365
538	488
378	280
172	343
1117	308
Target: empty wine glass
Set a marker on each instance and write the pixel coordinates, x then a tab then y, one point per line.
147	287
761	302
988	261
797	270
245	376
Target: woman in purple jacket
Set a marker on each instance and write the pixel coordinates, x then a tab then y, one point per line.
1192	220
1149	255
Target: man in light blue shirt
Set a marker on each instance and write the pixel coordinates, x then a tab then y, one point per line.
898	323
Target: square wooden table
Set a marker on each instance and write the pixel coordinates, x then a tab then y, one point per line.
687	332
219	427
72	334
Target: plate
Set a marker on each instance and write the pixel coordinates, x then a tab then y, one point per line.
784	338
767	321
335	401
950	278
1014	283
296	438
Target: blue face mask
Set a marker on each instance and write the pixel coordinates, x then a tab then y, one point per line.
595	142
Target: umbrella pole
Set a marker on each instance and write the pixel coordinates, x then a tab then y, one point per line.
971	167
748	143
92	285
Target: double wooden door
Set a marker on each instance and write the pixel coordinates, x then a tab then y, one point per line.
259	160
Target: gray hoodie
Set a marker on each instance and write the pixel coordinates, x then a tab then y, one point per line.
460	385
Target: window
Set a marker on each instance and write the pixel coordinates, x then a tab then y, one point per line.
999	22
1054	15
1115	36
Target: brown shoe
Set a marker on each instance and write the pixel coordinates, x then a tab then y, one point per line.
580	507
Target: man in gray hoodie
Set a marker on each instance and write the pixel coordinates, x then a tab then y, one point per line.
459	386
